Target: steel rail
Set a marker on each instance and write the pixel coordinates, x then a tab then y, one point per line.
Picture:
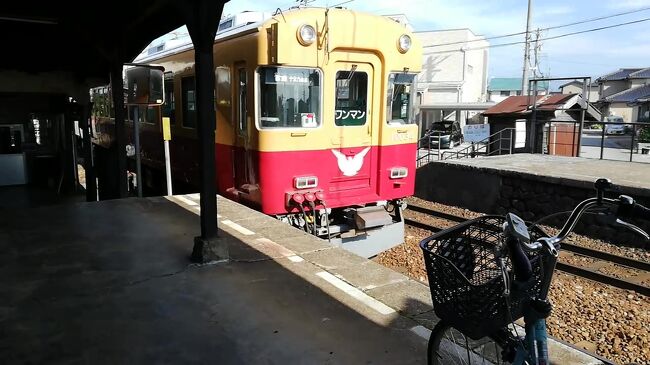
569	247
571	269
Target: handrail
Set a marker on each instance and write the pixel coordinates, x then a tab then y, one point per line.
472	150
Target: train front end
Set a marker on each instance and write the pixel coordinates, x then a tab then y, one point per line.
335	115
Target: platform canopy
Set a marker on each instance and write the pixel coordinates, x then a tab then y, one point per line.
82	38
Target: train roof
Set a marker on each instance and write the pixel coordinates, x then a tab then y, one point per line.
166	45
238	24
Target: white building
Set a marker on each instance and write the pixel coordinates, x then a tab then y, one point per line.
454	74
501	88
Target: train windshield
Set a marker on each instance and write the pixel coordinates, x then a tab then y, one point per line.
289	97
399	98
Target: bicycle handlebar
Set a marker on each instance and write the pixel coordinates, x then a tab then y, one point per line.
518	240
630	209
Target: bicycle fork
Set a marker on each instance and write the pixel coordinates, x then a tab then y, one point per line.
536	352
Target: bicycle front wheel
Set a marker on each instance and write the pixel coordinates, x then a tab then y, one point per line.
448	346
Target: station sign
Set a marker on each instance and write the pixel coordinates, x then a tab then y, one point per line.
476	132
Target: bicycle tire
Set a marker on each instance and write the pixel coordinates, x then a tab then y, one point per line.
448	346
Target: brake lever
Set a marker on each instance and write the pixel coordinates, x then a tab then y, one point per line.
634	228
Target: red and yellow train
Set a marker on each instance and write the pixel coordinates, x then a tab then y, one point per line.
315	120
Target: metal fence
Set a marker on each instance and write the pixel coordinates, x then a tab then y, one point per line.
601	140
499	143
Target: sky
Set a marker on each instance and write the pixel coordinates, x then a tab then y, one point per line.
590	54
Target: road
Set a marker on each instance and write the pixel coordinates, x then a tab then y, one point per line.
593	139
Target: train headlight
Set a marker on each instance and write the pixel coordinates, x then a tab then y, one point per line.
306	34
398	172
404	43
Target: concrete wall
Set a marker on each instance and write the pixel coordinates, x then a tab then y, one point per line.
529	196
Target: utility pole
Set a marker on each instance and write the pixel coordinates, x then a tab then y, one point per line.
524	79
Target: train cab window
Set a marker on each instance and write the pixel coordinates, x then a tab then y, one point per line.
351	98
290	97
223	92
399	98
169	108
189	101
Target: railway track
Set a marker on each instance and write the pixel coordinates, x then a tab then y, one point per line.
585	272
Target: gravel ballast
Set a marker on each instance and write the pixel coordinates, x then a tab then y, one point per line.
611	322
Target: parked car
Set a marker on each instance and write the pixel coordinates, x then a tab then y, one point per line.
618	126
449	133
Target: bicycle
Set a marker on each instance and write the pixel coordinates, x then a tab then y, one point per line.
487	272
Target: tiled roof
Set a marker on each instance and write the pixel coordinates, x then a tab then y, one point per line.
620	74
641	74
519	104
630	95
511	83
577	83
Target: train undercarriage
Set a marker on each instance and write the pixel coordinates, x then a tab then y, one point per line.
364	230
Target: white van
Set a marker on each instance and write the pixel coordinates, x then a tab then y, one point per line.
618	128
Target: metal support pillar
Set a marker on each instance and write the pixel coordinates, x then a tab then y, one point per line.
117	88
202	20
524	78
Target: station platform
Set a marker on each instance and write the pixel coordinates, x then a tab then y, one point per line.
111	282
574	171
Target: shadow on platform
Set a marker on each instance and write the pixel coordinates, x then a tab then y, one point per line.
111	282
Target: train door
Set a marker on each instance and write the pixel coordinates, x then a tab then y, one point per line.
354	124
240	162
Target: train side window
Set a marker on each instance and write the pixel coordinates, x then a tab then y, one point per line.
290	97
224	92
399	98
150	115
188	88
351	98
243	111
169	108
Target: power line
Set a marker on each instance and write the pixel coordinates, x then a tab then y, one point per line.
543	29
543	39
343	3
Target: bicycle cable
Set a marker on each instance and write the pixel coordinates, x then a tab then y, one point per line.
506	295
537	222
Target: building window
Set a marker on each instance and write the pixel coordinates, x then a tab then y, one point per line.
518	92
505	93
188	88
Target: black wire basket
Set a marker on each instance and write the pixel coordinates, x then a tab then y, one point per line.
466	282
